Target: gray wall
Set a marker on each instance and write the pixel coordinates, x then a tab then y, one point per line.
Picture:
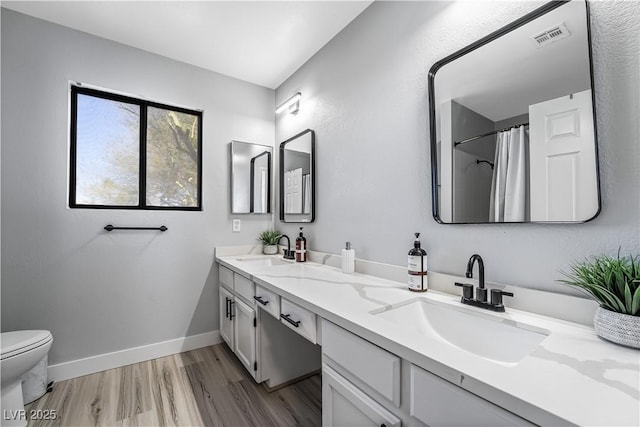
466	123
472	188
296	159
365	95
471	181
100	292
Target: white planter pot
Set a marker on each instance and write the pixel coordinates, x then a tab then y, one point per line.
270	249
617	327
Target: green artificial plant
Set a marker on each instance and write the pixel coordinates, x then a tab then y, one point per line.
613	282
269	237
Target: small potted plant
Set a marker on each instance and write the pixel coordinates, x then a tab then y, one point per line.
269	239
615	284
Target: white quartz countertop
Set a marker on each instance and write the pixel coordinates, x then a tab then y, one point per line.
572	377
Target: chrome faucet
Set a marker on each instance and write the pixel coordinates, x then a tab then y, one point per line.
288	253
481	292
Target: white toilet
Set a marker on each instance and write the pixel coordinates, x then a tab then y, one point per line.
21	351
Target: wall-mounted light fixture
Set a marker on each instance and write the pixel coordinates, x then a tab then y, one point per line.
292	104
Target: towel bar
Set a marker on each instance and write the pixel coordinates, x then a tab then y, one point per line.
110	227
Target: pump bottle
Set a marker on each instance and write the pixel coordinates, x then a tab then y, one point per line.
417	264
301	247
348	259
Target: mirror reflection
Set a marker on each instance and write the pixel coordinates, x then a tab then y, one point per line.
250	177
297	178
514	137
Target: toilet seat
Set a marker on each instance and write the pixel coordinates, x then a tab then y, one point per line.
18	342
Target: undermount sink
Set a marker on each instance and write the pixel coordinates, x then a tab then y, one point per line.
265	261
482	334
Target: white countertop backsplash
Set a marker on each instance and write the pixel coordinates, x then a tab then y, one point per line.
573	377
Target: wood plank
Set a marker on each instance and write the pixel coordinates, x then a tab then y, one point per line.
174	395
203	387
134	392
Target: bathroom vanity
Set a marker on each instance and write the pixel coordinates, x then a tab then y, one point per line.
389	357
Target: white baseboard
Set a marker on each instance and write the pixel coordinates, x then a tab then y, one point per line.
102	362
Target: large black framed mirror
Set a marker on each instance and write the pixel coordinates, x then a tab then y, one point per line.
513	129
250	177
297	178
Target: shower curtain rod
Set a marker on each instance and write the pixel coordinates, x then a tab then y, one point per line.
473	138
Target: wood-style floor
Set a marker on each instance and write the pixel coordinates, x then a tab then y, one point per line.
204	387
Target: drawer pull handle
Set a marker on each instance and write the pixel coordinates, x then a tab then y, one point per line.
287	317
261	301
227	307
231	310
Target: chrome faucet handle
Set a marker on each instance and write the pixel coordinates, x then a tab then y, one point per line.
496	296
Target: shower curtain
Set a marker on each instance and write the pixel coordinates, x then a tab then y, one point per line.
509	188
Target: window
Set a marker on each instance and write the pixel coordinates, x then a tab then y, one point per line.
127	153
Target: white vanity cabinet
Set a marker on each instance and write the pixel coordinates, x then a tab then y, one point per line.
268	350
375	369
238	321
379	373
362	386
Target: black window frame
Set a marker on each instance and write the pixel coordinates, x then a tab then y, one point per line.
142	182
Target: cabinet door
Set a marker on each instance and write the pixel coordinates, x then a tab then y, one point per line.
245	335
343	404
226	316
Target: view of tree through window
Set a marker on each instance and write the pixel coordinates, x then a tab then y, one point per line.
172	158
107	152
129	153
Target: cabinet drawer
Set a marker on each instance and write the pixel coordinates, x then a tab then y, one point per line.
243	287
268	301
376	367
226	277
343	404
297	318
435	401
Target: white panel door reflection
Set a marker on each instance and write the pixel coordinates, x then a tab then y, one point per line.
293	191
564	181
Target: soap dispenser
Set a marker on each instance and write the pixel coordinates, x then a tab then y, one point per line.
301	247
348	259
417	267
